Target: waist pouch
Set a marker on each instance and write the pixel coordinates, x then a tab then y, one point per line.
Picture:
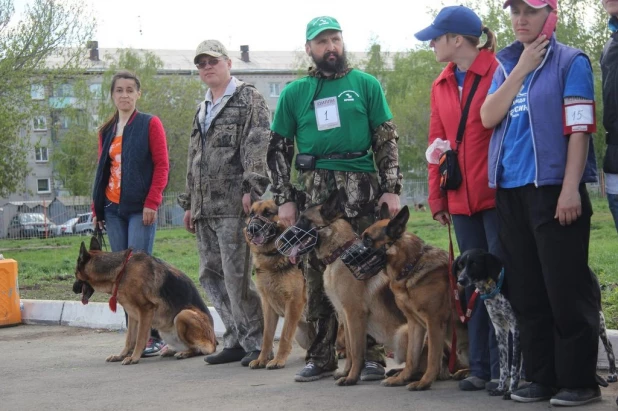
308	161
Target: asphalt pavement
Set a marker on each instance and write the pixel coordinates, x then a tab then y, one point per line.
64	368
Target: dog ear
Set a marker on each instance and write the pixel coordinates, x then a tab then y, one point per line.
493	266
94	244
454	268
384	213
397	226
333	207
84	256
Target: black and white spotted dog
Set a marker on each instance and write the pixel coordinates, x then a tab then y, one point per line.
484	270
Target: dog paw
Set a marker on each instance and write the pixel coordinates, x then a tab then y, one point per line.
612	378
418	386
167	352
507	395
461	374
257	364
497	392
346	382
275	364
115	358
183	354
340	374
393	372
130	361
394	381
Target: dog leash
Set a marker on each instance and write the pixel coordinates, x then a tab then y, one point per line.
113	300
464	318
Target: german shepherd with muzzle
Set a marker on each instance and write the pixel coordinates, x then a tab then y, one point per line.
154	294
281	285
419	278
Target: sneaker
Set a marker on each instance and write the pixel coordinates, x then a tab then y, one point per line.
153	348
492	385
226	355
372	371
252	355
533	392
472	383
578	396
312	372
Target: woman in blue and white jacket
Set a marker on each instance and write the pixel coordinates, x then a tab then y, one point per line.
541	104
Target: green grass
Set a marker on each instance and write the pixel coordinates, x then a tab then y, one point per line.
47	267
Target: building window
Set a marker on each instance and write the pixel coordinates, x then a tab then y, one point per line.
43	186
40	123
64	90
37	92
40	154
95	90
274	89
63	122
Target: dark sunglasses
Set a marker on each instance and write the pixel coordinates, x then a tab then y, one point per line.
209	62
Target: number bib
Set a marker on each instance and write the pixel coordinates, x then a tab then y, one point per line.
579	116
327	113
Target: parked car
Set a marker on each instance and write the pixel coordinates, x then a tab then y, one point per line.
30	225
84	224
66	228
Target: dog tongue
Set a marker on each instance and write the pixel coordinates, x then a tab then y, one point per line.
84	299
259	240
294	254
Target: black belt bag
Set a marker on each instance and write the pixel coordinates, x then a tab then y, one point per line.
308	161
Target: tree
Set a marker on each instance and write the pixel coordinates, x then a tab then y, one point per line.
171	97
47	36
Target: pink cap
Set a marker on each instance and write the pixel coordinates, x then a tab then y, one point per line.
537	4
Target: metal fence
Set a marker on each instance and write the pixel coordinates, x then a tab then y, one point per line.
61	209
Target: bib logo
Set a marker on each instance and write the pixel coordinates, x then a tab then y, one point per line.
348	95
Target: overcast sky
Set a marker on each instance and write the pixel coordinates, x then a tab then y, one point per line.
267	25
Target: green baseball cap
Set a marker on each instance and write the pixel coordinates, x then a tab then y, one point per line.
319	24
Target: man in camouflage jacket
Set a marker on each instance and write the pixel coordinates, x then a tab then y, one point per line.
227	166
335	114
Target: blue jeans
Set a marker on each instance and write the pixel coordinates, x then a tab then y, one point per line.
128	230
612	200
480	230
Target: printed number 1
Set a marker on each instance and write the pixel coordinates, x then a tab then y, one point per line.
326	115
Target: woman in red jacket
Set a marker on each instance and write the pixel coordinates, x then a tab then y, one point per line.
454	36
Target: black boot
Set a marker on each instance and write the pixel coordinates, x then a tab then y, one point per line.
226	355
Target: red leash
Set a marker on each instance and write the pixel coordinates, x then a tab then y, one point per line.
113	300
464	318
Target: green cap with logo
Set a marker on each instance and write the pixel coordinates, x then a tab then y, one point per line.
319	24
212	48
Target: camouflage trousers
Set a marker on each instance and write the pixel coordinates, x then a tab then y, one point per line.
321	312
223	252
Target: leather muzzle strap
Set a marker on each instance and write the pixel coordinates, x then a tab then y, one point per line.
113	300
337	253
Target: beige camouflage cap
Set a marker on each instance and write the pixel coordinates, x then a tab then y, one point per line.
212	48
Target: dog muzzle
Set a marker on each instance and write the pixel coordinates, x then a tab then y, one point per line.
364	262
260	230
295	242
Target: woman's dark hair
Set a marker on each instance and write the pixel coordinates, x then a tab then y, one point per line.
490	44
125	74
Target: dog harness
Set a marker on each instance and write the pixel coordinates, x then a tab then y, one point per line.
113	300
496	290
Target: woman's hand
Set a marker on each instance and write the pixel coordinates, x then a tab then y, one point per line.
532	56
443	217
149	216
95	221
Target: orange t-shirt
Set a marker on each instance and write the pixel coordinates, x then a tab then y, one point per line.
112	192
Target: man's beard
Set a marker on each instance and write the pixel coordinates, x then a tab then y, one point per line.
337	66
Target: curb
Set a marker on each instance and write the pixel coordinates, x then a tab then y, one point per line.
98	315
92	315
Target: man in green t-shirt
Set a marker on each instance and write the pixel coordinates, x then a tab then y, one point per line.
339	116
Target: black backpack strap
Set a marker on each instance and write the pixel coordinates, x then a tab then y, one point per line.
464	114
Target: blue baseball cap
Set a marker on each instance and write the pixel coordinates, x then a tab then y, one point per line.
452	19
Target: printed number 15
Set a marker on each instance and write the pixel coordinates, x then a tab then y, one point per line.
577	115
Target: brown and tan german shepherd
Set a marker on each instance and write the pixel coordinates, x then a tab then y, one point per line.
281	285
371	306
154	294
418	276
